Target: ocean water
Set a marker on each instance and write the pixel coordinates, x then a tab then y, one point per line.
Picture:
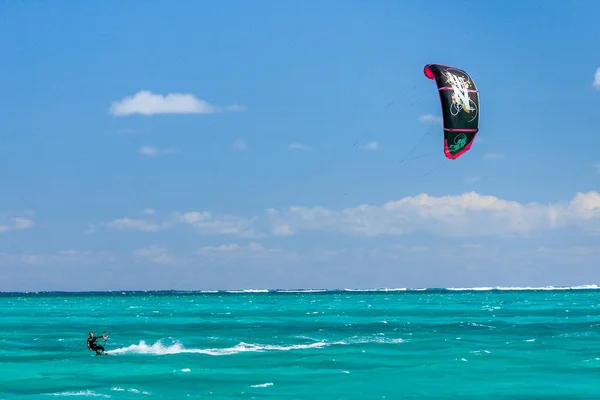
386	344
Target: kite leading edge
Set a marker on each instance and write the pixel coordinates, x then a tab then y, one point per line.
460	107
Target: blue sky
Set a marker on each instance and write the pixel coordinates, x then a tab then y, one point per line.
163	145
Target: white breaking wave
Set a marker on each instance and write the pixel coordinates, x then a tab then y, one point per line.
262	385
159	348
131	390
581	287
87	393
403	289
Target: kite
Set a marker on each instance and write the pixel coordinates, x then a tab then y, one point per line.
460	107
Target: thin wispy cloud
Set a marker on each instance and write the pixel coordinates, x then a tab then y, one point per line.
298	146
147	103
430	118
133	224
596	82
472	179
597	168
61	257
371	146
240	144
91	229
150	151
248	252
206	223
16	224
154	254
203	222
493	156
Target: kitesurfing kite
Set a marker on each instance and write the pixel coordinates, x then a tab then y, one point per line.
460	107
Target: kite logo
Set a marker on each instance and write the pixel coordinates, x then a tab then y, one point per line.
460	141
460	97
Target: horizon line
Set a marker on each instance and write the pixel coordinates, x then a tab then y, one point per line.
310	290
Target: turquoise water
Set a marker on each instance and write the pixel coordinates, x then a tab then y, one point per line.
463	344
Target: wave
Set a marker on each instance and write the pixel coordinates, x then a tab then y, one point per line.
522	288
314	291
263	385
406	289
86	393
159	348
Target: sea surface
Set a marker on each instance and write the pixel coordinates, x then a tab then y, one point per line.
483	343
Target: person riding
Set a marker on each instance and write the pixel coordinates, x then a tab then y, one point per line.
92	345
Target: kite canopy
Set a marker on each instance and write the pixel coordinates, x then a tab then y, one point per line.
460	107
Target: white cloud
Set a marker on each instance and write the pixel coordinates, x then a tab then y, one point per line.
298	146
597	168
203	222
247	252
63	257
493	156
133	224
252	251
239	144
572	254
469	214
371	146
472	179
157	255
154	152
430	118
149	211
91	229
208	224
16	224
147	103
280	228
596	82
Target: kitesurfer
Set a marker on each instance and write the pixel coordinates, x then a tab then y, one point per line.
92	345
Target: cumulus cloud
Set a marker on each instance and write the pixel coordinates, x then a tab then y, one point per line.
469	214
16	224
371	146
298	146
430	118
150	151
147	103
596	82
